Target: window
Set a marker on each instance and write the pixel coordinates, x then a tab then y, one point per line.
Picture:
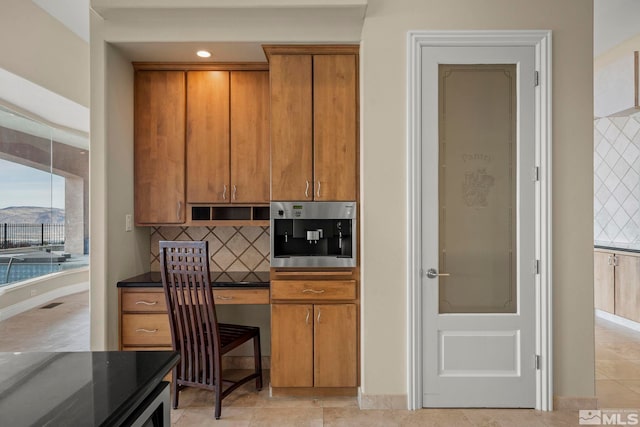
44	185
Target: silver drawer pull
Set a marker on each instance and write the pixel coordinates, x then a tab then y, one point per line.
222	297
313	291
149	331
146	302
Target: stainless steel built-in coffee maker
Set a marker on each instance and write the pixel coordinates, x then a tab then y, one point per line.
313	234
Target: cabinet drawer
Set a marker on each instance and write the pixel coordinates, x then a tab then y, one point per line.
145	329
313	290
241	296
148	302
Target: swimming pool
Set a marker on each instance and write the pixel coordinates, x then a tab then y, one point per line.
18	267
19	272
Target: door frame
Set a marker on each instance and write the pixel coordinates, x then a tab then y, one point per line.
541	41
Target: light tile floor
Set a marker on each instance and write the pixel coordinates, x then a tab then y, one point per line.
62	328
66	328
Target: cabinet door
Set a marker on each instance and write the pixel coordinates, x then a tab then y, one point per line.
159	159
334	127
335	350
208	137
249	137
627	289
292	345
291	127
603	294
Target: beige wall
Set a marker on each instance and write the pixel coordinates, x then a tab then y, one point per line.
384	194
43	50
114	254
383	149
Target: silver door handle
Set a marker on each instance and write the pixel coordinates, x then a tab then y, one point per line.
318	188
432	273
233	197
224	192
178	211
306	190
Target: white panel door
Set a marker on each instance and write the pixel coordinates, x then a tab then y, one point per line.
478	200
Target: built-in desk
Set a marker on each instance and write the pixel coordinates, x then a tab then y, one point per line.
143	319
111	388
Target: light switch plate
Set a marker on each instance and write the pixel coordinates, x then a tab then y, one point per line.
127	222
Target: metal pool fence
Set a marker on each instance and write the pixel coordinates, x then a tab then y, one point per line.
26	235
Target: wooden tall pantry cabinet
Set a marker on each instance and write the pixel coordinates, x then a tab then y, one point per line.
314	157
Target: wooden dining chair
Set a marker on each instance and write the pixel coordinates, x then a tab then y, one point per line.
195	331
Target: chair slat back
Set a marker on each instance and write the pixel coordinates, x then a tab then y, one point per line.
191	307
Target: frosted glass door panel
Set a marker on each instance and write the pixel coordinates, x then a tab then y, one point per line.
477	188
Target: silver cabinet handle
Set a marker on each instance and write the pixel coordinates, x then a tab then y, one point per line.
308	314
178	211
432	274
224	192
313	291
149	331
318	188
306	190
615	260
610	260
146	302
319	313
233	195
224	298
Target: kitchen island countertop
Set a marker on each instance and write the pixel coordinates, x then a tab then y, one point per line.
78	388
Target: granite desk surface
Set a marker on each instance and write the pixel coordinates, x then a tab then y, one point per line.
78	388
153	279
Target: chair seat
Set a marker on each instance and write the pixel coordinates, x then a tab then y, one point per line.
231	336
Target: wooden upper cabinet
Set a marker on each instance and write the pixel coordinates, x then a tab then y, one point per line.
249	137
291	127
314	119
159	147
208	149
334	127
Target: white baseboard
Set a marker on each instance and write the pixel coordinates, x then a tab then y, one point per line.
38	300
618	320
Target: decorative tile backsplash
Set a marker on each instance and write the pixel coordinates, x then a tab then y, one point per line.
233	251
616	162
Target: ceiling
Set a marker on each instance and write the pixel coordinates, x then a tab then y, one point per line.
614	22
186	51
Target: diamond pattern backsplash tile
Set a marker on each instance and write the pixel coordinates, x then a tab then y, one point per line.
616	183
232	250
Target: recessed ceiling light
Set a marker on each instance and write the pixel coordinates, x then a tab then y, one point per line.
203	53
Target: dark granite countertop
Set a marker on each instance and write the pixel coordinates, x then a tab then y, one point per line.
78	388
220	280
617	248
